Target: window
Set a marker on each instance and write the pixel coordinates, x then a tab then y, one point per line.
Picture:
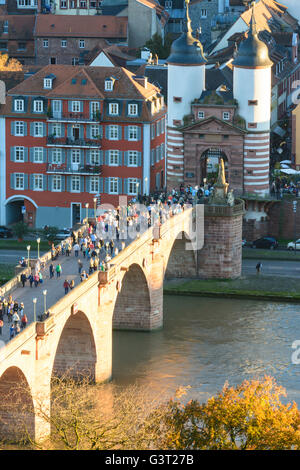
168	4
113	157
19	105
19	154
38	182
56	183
38	129
5	27
38	155
177	99
201	114
132	158
81	43
63	43
19	180
153	131
113	132
21	46
113	186
132	133
75	106
252	125
56	156
114	109
19	128
94	132
94	184
203	13
226	116
95	108
94	157
82	3
75	156
45	42
75	184
132	109
75	61
38	106
3	46
253	102
56	130
47	83
52	60
132	186
108	85
63	3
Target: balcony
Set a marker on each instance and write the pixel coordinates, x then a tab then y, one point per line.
73	169
69	142
74	117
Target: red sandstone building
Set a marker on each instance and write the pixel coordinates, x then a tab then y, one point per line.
71	134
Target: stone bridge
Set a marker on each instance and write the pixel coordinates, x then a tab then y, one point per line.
77	336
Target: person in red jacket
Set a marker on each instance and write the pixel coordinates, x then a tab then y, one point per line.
66	286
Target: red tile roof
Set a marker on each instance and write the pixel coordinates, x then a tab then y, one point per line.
101	26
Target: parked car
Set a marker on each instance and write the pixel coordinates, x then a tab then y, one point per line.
5	232
291	245
62	234
265	242
244	242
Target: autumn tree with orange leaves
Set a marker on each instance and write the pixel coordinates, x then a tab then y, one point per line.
9	65
249	416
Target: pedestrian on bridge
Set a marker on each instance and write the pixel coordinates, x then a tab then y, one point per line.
51	270
23	279
66	286
80	266
1	326
11	332
58	270
24	321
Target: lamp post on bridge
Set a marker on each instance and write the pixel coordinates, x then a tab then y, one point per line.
95	207
45	294
28	251
295	219
34	308
87	212
38	244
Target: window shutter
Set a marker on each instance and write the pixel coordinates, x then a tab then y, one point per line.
69	130
88	132
120	132
49	183
63	183
101	157
126	158
44	155
100	185
12	181
31	178
31	154
139	133
119	185
106	157
62	130
25	104
120	158
12	154
88	184
68	183
101	131
25	128
152	157
81	157
44	182
25	154
63	156
139	159
70	106
81	132
68	158
126	186
81	106
126	133
32	129
106	132
82	184
12	128
25	181
88	157
106	189
44	129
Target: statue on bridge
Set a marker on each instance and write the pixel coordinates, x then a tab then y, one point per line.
220	194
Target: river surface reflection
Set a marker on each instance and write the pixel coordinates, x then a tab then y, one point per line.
206	342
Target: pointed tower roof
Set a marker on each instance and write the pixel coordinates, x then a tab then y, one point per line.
252	52
186	50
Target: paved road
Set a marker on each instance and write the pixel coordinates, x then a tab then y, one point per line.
13	256
272	267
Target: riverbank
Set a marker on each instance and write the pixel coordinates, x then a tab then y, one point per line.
258	287
280	255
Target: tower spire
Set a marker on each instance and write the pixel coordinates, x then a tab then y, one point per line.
187	24
253	24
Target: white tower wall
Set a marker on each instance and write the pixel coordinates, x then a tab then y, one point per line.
254	85
187	84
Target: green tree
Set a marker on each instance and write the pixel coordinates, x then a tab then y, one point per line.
156	45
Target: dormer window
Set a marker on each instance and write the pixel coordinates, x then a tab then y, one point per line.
48	83
132	109
226	116
19	105
38	106
109	84
114	109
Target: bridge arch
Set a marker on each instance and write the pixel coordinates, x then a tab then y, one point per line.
180	259
17	417
76	354
132	309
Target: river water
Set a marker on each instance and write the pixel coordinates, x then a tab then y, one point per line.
206	342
